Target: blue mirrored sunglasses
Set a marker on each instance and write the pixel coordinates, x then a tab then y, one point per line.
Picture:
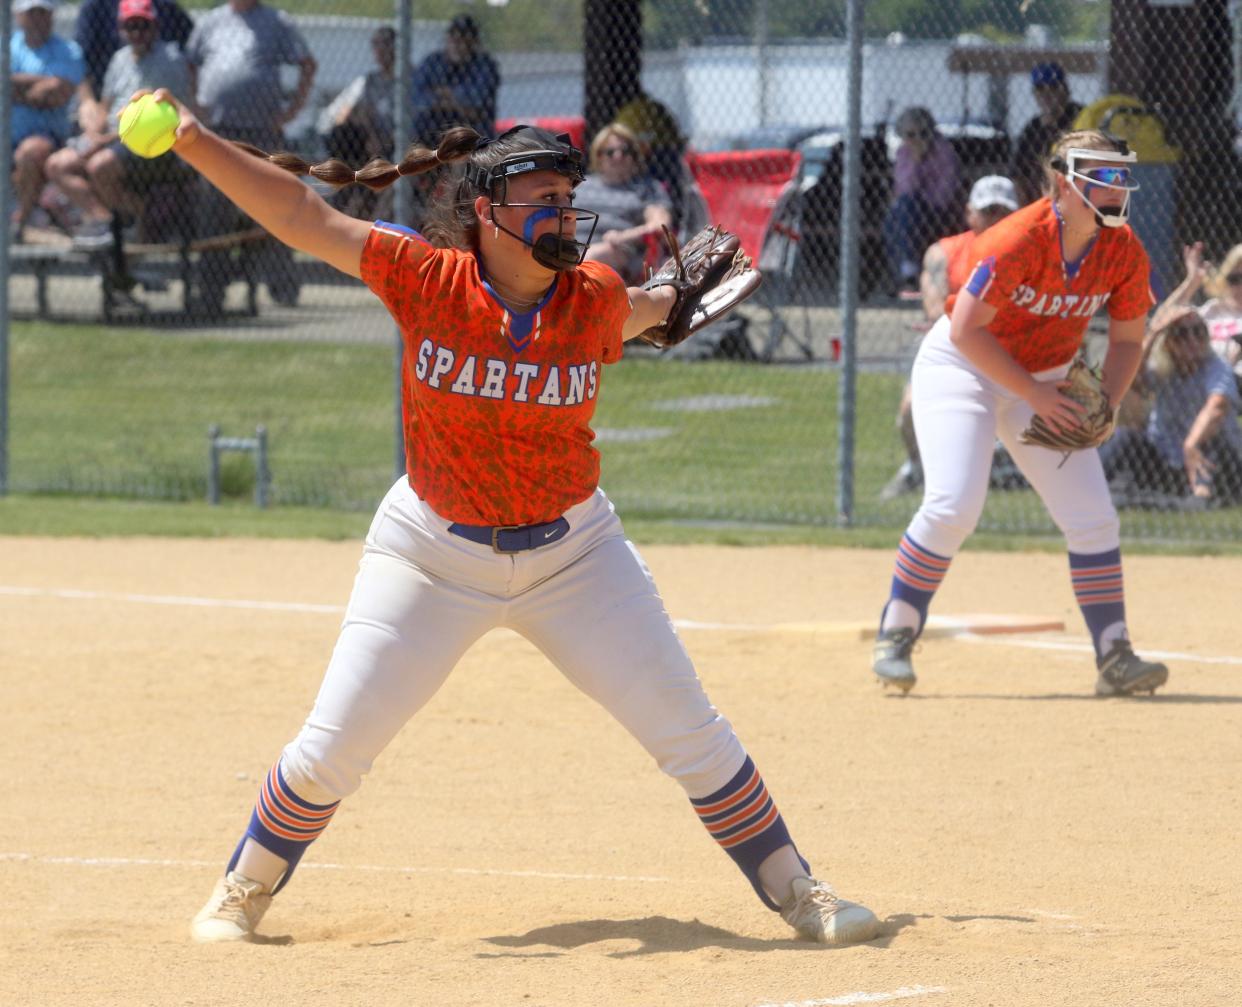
1109	176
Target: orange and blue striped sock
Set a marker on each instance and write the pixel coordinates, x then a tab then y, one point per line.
1100	591
742	817
916	576
283	823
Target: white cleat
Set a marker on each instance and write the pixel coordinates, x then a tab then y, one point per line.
815	911
233	911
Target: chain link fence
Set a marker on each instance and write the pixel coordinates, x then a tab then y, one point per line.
146	311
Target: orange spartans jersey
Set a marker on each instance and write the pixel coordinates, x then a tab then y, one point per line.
496	405
1043	304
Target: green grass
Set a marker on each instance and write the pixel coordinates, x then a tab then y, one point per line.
123	413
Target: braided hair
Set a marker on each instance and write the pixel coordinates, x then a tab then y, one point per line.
451	220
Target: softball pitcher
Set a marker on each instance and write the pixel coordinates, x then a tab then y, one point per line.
499	520
995	359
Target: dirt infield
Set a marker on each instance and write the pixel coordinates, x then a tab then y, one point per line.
1025	842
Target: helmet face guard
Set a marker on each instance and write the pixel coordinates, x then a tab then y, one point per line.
1114	175
551	250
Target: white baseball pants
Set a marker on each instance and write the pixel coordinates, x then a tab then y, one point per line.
958	415
422	596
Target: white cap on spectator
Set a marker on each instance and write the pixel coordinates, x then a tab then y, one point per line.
21	6
993	190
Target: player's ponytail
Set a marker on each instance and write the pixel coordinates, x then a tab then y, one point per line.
451	220
456	145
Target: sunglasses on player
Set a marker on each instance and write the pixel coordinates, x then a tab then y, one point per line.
1119	177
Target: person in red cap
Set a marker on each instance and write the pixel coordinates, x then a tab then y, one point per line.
98	34
95	171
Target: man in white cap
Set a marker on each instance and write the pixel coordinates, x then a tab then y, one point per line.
45	69
946	266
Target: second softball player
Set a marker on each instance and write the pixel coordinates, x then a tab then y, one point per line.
994	360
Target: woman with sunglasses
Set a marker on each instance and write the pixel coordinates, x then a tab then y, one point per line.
927	177
1191	443
499	520
631	204
997	357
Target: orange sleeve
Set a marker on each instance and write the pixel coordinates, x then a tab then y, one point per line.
389	258
1004	257
609	290
1132	297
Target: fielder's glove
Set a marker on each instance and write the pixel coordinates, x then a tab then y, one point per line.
711	277
1084	386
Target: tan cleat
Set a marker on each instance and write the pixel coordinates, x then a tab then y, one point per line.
232	912
818	915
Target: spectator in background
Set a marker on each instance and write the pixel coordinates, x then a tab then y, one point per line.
1056	115
96	172
631	204
44	70
358	124
946	267
98	37
237	51
661	142
927	176
1223	311
1191	444
456	85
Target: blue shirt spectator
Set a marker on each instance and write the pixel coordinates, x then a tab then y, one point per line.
1191	443
1180	398
98	38
456	86
34	53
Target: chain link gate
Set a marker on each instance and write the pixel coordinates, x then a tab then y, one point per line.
139	325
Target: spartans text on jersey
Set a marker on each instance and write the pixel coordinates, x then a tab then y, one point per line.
545	384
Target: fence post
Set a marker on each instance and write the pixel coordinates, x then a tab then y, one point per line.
262	474
850	196
403	126
213	464
6	209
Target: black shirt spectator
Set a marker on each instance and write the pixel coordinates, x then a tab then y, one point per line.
1056	115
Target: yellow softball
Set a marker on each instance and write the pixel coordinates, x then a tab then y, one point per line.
149	127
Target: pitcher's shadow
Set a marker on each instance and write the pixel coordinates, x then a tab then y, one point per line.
660	935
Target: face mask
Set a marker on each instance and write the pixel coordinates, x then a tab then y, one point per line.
1116	177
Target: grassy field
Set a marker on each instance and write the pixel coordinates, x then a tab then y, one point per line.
726	451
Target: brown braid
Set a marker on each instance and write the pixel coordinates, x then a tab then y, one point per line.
451	220
456	145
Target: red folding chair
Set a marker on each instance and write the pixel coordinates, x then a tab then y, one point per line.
756	195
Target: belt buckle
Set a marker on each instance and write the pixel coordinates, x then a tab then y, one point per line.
496	530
